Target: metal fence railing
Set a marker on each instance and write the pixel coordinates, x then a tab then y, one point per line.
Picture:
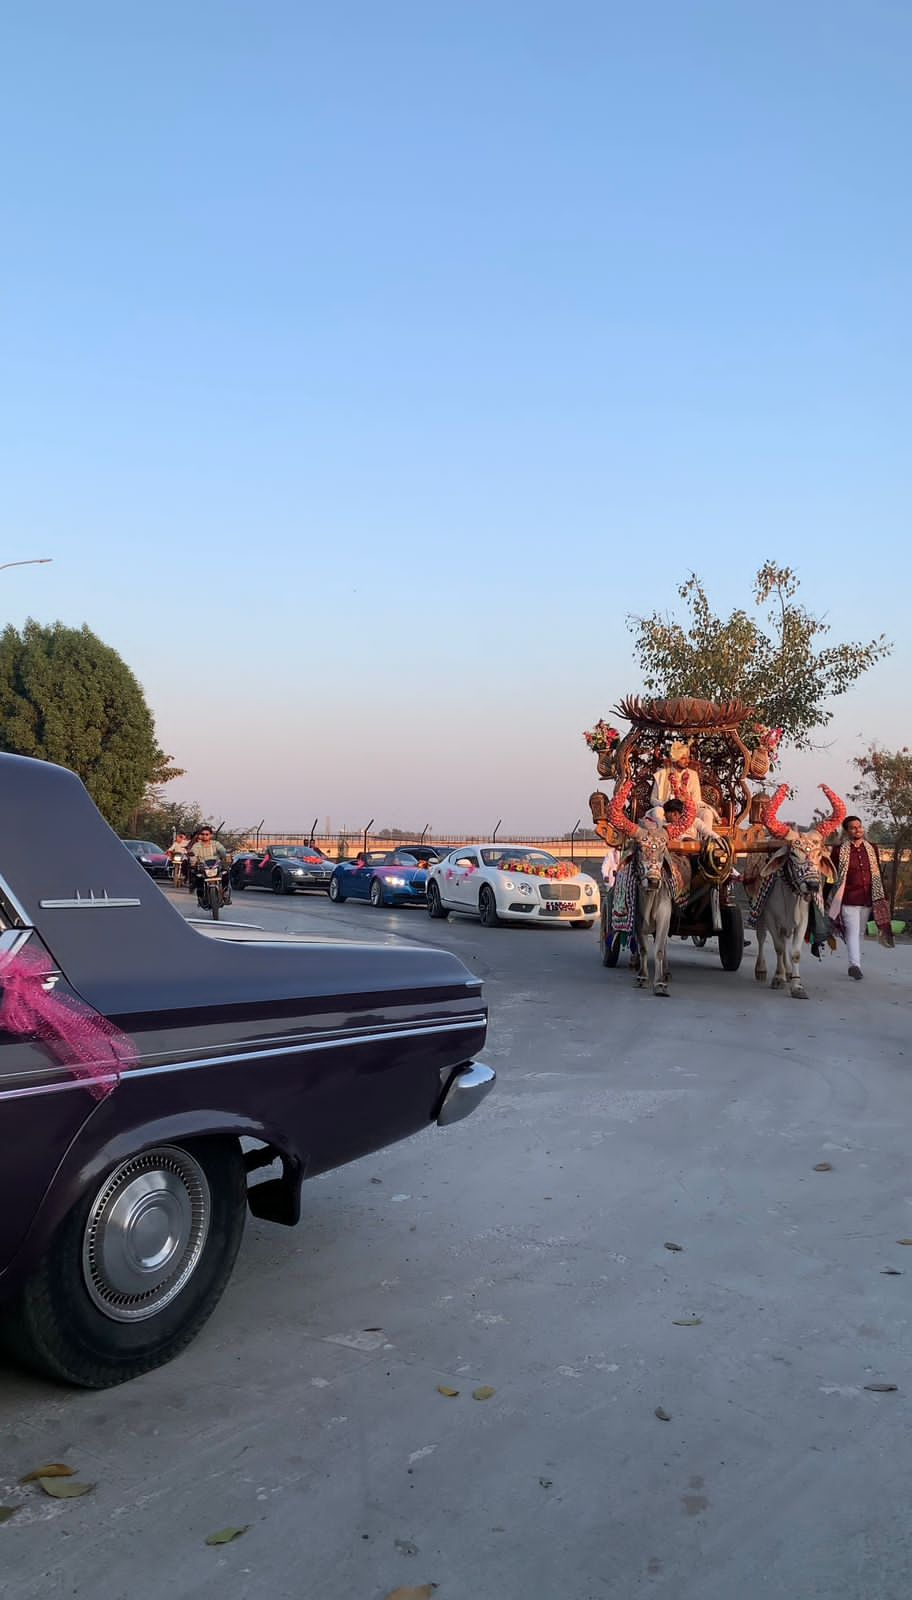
342	843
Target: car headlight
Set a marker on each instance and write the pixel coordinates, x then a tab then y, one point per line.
299	872
590	888
396	883
526	888
508	883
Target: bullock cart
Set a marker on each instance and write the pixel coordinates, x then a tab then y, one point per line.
679	868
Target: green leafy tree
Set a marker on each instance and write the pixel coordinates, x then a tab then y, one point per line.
780	663
884	791
67	697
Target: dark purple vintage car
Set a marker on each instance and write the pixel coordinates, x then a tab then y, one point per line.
147	1069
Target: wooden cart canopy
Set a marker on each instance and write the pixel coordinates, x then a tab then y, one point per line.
684	713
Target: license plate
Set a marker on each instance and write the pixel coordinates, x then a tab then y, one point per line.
553	908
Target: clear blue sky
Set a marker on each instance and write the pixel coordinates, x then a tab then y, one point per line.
439	338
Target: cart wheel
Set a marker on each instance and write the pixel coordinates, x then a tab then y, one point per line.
731	938
698	940
609	944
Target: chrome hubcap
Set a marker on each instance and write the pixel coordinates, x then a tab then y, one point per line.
145	1233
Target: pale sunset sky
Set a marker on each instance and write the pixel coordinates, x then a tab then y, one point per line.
364	366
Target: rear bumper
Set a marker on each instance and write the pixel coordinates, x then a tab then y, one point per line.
466	1093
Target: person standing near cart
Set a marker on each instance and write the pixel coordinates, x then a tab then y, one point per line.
858	893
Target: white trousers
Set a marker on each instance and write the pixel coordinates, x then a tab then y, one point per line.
856	919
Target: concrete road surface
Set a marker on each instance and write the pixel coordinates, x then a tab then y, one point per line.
528	1249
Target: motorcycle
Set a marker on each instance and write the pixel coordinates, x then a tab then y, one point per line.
178	869
213	886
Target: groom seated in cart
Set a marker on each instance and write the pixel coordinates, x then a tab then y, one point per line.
674	780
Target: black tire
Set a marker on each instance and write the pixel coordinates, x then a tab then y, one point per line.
376	894
609	943
335	892
487	907
214	899
279	885
699	940
731	938
435	906
237	881
58	1324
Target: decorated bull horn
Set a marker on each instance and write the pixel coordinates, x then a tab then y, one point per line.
683	823
771	822
616	814
832	822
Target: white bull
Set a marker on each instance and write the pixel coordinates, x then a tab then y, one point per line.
653	873
797	871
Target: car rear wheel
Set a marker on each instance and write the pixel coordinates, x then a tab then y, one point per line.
136	1268
376	893
435	905
335	892
487	907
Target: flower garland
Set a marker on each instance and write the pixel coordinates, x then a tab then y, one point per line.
602	737
535	869
769	740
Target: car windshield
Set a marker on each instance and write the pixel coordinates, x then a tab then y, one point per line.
300	850
537	858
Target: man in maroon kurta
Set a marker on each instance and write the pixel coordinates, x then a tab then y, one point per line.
857	891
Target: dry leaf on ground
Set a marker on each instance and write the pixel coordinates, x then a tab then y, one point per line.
823	1166
6	1512
65	1488
904	1241
56	1469
881	1388
483	1393
670	1246
662	1414
444	1389
687	1322
225	1535
546	1483
423	1592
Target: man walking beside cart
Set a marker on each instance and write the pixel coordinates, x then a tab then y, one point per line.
859	892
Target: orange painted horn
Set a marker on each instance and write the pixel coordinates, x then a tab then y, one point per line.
770	818
616	814
838	816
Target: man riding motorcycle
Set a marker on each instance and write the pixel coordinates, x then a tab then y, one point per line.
207	848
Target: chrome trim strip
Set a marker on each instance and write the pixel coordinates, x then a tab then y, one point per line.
299	1049
92	902
330	1035
304	1047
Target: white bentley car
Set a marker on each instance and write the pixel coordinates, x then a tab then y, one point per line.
511	883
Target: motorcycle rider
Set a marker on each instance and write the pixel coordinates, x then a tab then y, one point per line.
205	847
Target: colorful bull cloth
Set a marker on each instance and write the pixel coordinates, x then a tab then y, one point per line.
880	906
680	879
624	900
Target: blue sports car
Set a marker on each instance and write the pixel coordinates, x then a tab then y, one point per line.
385	877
